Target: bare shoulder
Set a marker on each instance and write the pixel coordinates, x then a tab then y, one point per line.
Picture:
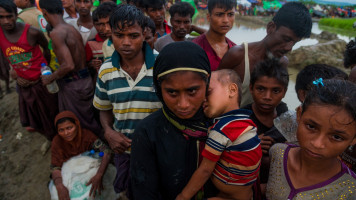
233	57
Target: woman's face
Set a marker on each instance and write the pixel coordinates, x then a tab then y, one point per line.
67	130
184	93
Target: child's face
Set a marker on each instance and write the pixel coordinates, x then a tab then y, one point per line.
184	93
267	93
218	98
67	130
102	26
324	131
150	38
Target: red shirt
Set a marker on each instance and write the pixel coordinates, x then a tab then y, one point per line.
167	28
214	59
25	59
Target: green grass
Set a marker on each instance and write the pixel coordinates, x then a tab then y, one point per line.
339	23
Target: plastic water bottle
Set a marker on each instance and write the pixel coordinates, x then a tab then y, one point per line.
52	87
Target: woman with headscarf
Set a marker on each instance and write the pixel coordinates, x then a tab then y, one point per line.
73	140
167	145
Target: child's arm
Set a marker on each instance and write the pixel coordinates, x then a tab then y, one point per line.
200	176
96	180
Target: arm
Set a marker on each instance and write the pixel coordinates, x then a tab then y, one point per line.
118	142
233	59
97	179
197	29
63	55
352	76
63	193
42	41
284	61
143	167
200	176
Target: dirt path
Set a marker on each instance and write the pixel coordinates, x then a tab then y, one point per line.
24	171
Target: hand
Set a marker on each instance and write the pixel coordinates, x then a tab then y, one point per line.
266	143
95	63
13	74
47	79
118	142
22	82
97	184
181	197
63	193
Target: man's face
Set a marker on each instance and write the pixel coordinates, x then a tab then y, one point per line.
67	3
102	26
221	20
83	7
150	38
180	25
7	20
128	41
280	40
156	14
20	3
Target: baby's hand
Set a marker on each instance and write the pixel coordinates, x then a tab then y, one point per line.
266	143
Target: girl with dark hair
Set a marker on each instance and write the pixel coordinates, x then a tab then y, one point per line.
71	141
326	128
167	145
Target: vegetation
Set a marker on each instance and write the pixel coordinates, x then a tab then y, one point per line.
340	23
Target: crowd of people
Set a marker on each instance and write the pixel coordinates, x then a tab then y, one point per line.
180	117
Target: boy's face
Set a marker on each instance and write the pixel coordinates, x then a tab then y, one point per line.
83	7
157	14
267	93
102	26
218	97
150	38
7	20
180	25
128	41
280	41
221	20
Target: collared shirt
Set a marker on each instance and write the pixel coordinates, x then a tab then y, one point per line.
167	28
67	17
108	49
213	57
130	100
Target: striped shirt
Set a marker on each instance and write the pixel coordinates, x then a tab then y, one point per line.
233	143
108	49
130	100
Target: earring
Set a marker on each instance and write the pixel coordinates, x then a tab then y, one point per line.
351	148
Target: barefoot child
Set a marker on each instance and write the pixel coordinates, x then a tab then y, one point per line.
232	152
326	127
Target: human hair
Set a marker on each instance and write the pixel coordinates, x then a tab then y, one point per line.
127	15
224	4
295	16
64	119
156	4
310	73
271	68
203	77
52	6
183	9
350	54
104	10
137	3
227	76
33	2
9	6
334	92
150	24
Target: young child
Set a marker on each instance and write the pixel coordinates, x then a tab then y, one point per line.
326	127
268	85
232	152
151	35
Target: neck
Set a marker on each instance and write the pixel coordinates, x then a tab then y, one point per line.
85	18
71	11
55	20
175	38
215	37
316	167
136	62
258	112
15	30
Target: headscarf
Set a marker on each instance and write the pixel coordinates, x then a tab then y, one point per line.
62	150
182	56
